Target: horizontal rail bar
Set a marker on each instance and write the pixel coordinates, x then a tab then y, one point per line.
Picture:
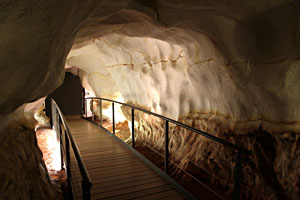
81	165
212	137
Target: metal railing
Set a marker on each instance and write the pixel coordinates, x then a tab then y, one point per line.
58	120
238	150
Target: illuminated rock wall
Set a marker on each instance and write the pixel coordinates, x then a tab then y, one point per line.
23	174
239	69
229	68
271	172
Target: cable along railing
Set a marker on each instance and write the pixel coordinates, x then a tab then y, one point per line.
238	150
63	132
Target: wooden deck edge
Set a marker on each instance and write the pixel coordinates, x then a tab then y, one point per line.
166	177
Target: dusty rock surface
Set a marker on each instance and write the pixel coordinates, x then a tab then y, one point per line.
227	67
23	174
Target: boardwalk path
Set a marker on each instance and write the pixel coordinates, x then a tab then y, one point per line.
116	173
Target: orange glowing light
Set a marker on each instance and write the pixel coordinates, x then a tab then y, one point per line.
49	145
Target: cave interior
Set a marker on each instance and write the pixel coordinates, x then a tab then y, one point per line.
228	68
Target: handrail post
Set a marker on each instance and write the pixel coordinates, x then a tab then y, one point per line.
82	102
68	167
86	190
113	116
51	118
82	107
167	146
237	175
56	122
60	142
101	122
132	128
92	110
86	108
67	150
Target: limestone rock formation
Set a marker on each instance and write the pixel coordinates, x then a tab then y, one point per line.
35	38
230	68
23	174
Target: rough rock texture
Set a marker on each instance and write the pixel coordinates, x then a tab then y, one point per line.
23	174
234	63
271	172
35	38
228	67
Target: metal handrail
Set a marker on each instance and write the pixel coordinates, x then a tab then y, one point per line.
212	137
86	180
238	150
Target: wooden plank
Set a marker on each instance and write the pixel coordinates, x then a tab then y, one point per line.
126	180
128	190
122	177
104	159
124	168
124	188
142	193
159	195
113	152
115	165
115	172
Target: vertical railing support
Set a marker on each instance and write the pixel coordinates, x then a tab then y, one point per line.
86	190
82	107
101	122
59	137
167	146
237	175
92	110
132	128
51	119
68	167
86	115
113	118
67	152
82	101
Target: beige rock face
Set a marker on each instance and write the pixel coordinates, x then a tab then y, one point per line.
271	172
35	38
237	64
228	68
23	174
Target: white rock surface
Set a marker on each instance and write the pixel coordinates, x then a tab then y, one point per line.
228	68
230	63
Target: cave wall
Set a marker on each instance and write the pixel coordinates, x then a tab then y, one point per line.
35	38
23	174
240	68
230	68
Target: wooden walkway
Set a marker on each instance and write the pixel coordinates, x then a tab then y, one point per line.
116	173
